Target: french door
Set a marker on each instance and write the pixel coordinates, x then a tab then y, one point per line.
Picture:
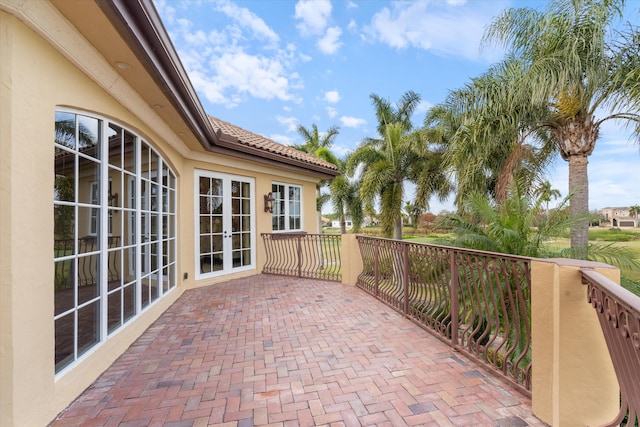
225	236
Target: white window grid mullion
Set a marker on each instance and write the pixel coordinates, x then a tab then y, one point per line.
103	228
76	235
160	237
138	221
287	210
227	215
196	220
252	220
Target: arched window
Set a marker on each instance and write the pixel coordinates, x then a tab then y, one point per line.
114	231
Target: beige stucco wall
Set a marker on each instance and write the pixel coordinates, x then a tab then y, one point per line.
35	78
351	259
574	382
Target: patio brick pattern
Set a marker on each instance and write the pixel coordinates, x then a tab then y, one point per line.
281	351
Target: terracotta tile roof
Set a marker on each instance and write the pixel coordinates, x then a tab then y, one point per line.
253	140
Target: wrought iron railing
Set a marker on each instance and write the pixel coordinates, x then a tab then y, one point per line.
619	314
87	265
479	302
314	256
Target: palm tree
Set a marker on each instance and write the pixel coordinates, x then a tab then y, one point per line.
399	155
387	164
387	113
384	171
511	227
345	197
546	193
481	127
573	70
634	211
318	146
413	212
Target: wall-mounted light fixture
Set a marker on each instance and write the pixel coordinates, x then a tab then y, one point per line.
268	203
113	198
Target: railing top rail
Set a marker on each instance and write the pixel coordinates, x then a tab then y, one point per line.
298	233
454	248
623	297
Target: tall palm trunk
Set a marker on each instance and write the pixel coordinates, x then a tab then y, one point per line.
397	229
579	205
576	141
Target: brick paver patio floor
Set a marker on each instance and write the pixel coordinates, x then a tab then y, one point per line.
281	351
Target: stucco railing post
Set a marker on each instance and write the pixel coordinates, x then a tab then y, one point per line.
573	380
350	259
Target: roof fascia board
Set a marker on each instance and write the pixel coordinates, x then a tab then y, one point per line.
151	43
148	37
227	143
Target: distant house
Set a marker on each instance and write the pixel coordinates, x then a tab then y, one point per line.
371	221
348	223
618	217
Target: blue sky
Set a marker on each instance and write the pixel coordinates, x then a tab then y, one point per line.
271	65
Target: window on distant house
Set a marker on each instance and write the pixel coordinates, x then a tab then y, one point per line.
114	231
287	207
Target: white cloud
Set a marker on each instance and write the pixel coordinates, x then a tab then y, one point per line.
352	122
314	14
332	96
330	43
212	91
168	13
331	112
446	29
304	58
238	61
423	107
290	122
247	19
340	150
259	76
351	5
282	139
352	26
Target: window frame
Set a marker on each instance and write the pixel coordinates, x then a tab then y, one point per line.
226	201
286	214
107	255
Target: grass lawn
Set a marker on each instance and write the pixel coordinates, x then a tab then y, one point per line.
627	237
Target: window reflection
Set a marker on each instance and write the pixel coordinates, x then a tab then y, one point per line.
93	196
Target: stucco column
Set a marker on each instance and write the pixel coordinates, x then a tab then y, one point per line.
574	382
351	261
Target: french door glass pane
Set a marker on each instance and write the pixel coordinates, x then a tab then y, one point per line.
129	148
64	294
64	332
65	129
88	326
88	139
129	305
65	177
114	307
114	138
